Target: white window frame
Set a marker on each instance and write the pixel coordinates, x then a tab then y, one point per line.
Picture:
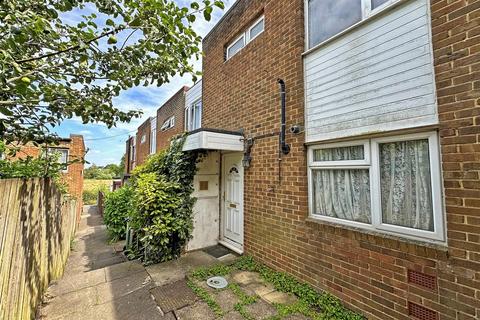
168	124
367	13
372	163
190	116
246	37
153	136
233	43
249	32
54	150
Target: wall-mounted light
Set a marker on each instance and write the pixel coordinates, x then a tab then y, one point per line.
247	158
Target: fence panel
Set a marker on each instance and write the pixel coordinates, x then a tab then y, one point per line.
37	224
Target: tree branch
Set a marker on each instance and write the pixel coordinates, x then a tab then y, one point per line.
51	54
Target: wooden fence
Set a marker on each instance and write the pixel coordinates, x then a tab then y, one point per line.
36	226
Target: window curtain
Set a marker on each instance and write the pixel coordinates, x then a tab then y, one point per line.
406	189
342	193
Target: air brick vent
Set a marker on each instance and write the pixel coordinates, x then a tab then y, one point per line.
420	312
422	279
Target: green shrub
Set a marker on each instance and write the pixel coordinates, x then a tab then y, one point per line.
162	219
117	206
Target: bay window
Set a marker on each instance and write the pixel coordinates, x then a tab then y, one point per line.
387	184
326	18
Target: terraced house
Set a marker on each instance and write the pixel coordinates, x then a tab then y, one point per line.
343	143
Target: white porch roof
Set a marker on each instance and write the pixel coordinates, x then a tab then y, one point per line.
213	139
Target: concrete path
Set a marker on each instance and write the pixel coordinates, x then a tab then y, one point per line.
99	283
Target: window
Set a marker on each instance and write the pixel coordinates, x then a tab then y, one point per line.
193	116
153	136
256	29
326	18
252	32
388	184
169	123
62	154
236	46
132	149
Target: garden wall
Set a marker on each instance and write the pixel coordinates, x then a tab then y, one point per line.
36	226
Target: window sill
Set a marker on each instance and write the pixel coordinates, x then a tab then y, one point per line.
441	246
353	27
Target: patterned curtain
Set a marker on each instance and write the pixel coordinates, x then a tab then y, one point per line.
342	193
405	184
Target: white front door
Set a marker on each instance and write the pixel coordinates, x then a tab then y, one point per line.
232	222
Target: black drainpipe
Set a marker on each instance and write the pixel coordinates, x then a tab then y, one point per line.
284	147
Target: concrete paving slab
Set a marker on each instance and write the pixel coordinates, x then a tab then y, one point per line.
226	299
165	273
73	302
77	282
173	296
119	288
280	297
136	306
261	310
199	311
260	289
193	260
233	315
246	277
121	270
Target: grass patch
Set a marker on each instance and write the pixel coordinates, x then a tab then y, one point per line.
92	187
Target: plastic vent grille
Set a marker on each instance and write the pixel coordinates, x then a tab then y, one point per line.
420	312
422	279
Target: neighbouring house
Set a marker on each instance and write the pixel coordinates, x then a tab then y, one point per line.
130	156
72	150
170	119
343	148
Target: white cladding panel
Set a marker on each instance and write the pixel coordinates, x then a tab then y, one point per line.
193	94
377	77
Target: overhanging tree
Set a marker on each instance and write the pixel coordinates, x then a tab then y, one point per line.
52	69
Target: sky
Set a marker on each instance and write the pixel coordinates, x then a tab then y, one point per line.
107	146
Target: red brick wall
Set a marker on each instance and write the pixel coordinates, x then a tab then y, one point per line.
143	149
74	175
175	106
368	271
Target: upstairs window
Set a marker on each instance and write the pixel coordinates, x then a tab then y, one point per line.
62	154
326	18
169	123
193	116
153	136
251	33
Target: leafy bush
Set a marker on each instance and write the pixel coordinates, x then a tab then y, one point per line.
163	205
118	205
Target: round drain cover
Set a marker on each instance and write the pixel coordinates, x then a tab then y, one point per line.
217	282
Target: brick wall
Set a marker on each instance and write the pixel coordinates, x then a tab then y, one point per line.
143	149
368	271
175	106
74	175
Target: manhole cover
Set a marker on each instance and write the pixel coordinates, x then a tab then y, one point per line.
217	282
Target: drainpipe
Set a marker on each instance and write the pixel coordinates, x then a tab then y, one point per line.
284	147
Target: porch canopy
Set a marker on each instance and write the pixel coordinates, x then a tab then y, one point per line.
214	139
